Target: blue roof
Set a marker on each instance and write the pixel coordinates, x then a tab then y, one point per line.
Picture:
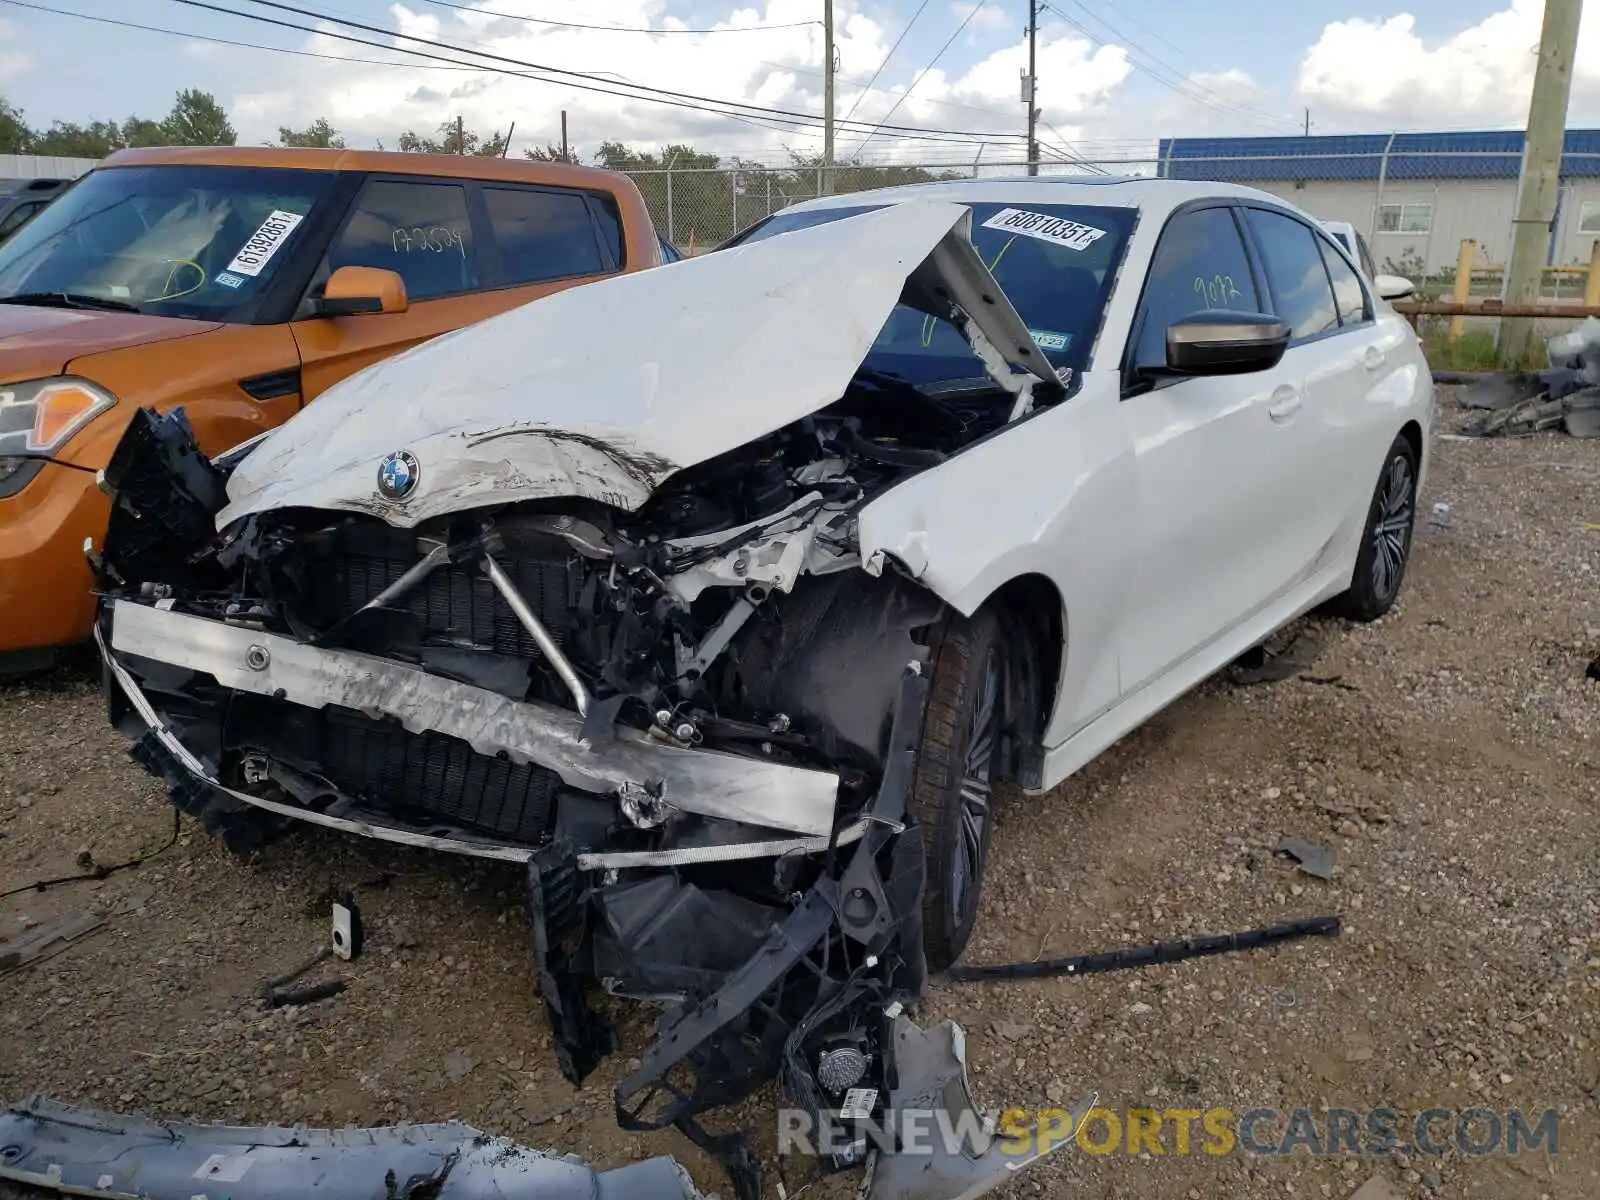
1493	154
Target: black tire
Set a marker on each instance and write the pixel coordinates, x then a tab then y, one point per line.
958	763
1385	539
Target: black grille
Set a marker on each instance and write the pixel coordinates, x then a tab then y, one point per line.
355	562
439	777
423	778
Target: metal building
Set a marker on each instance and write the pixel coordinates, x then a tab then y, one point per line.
1414	195
19	168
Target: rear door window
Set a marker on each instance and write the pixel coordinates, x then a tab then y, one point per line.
1301	291
1347	291
420	230
544	234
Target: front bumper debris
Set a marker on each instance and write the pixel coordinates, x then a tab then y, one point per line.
725	786
81	1152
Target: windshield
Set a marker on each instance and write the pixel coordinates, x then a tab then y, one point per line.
1056	262
182	241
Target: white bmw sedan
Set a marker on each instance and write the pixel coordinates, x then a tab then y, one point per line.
638	569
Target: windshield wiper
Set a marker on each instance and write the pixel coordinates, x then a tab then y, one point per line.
888	380
70	300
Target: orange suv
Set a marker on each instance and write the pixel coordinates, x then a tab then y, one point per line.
241	284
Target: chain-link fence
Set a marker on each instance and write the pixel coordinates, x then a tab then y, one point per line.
699	208
1414	208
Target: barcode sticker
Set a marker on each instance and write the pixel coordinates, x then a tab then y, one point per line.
1057	230
264	243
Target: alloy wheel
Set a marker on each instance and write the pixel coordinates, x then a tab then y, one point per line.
1391	533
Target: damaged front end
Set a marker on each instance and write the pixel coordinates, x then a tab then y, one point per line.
690	709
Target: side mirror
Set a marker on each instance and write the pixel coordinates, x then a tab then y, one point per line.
1394	287
1219	342
351	291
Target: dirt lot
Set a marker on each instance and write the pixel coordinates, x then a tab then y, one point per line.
1448	754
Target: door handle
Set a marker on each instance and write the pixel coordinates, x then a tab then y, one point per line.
1285	402
1373	359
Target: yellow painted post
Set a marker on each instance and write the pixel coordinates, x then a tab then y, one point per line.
1591	291
1463	291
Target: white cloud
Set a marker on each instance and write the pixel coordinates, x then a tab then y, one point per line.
1372	73
989	19
13	62
779	68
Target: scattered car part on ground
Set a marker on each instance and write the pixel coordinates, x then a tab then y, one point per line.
80	1152
349	936
931	1067
277	993
1315	859
1566	396
27	946
1161	952
730	634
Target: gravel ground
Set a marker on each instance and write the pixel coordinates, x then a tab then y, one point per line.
1448	756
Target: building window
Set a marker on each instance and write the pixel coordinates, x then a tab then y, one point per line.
1405	218
1589	217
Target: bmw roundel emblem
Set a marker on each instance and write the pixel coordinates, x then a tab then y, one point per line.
398	475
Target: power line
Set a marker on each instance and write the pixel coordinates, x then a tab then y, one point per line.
198	37
725	108
1162	72
467	8
912	86
1174	72
886	59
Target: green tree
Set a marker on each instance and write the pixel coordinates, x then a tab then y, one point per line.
550	153
71	140
142	131
15	136
455	138
197	119
320	134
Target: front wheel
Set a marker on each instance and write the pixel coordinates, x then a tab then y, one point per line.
958	764
1385	539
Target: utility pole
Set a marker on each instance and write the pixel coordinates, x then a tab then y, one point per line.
1539	188
564	157
1030	89
827	94
461	135
1308	122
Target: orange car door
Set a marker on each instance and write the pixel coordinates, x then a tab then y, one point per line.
465	252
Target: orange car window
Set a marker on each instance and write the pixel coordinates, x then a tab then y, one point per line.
542	234
419	230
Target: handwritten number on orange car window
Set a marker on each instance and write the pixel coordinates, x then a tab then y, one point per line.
436	240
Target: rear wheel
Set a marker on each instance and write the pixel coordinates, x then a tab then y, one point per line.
1386	539
958	764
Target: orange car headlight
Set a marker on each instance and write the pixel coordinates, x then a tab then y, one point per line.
39	416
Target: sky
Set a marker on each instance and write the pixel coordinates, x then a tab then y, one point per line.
1113	75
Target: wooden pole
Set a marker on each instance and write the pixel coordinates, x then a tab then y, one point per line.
1540	183
1591	291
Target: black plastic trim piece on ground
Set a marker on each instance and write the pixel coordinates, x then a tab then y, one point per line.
557	913
1161	952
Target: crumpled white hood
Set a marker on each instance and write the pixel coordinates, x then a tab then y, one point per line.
604	391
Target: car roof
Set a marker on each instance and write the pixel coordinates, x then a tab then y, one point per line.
1107	190
385	162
